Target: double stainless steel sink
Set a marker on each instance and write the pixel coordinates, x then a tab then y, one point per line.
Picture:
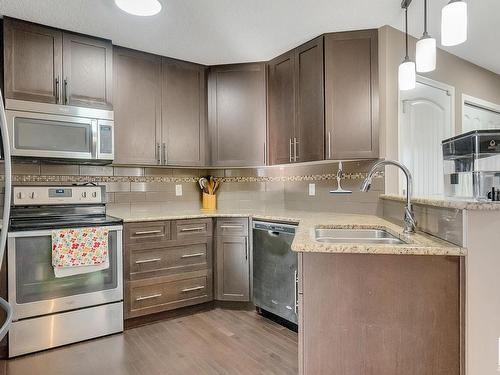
361	236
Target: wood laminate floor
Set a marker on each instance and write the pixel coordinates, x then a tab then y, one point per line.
219	341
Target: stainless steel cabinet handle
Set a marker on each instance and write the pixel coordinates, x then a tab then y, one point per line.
192	229
192	289
65	90
291	150
228	226
148	297
142	233
296	288
58	98
265	153
147	260
164	149
295	156
158	153
192	255
329	145
246	249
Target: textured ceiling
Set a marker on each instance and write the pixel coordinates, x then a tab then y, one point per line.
227	31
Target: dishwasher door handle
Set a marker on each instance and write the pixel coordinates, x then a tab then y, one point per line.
273	233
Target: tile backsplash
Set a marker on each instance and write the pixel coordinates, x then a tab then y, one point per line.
271	187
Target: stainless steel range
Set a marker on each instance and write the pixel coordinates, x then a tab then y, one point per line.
50	311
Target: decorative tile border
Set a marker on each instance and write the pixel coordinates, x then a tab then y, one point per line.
71	179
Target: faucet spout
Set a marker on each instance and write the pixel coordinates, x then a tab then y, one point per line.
409	218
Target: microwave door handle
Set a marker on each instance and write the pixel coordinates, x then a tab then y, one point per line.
95	140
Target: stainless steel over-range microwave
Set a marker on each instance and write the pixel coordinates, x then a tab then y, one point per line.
60	132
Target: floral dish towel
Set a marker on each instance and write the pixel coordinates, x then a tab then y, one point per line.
78	247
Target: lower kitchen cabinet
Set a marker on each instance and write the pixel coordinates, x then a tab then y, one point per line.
380	314
232	261
169	267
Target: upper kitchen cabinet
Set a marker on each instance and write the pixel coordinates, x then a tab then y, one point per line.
351	95
310	107
183	113
296	105
87	68
237	114
137	106
33	61
47	65
281	108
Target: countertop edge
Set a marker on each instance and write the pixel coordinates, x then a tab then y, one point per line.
303	243
446	202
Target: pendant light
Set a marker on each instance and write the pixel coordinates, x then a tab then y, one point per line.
139	7
454	23
407	76
425	57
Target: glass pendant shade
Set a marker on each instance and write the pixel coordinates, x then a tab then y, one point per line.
139	7
407	76
426	55
454	23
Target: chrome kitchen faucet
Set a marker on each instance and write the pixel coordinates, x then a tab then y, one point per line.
409	218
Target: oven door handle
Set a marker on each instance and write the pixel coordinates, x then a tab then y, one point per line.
48	232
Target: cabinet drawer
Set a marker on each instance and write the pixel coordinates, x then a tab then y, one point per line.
232	227
163	261
147	232
156	296
192	228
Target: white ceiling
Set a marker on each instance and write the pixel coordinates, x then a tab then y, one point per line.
227	31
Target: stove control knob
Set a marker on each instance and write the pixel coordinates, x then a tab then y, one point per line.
19	195
32	195
84	194
94	194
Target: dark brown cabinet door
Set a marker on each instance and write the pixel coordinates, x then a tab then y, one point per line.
351	95
183	113
237	114
233	269
33	61
281	108
137	107
87	68
310	105
365	314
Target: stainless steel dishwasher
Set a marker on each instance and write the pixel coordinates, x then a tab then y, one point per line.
275	269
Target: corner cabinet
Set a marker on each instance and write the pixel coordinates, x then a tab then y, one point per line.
48	65
183	113
237	115
351	95
137	105
232	260
296	105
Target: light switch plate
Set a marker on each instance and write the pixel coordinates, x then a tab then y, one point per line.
178	190
312	190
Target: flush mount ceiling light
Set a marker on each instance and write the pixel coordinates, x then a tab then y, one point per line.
454	23
139	7
426	49
407	76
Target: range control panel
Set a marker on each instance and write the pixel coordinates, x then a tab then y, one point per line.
43	195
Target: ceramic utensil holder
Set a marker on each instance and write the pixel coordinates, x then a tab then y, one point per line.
209	201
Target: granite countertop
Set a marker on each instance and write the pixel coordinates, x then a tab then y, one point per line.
417	244
446	202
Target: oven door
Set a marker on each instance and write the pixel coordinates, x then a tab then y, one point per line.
43	135
33	288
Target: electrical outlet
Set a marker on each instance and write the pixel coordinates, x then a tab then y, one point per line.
178	190
312	190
